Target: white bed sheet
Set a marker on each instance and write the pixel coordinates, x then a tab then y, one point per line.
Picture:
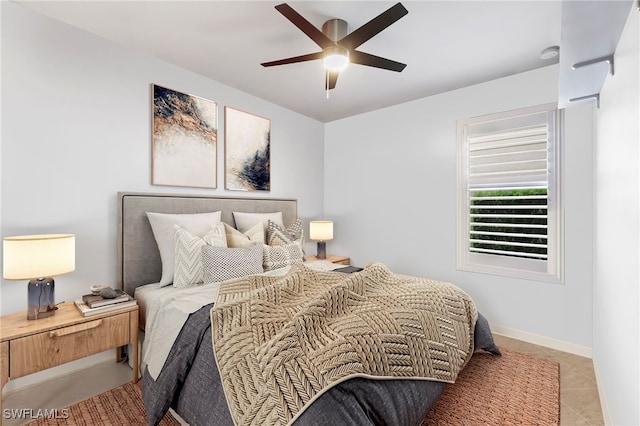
164	310
145	295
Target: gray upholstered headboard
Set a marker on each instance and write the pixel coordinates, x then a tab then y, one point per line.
138	256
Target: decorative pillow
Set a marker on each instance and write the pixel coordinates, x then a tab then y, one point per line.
246	221
277	236
188	254
275	257
162	227
222	264
237	239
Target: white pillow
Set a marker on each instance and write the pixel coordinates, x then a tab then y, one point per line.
162	227
222	264
237	239
188	254
246	221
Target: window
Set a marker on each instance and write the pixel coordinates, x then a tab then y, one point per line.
509	198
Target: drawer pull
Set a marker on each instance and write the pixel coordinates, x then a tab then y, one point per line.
75	329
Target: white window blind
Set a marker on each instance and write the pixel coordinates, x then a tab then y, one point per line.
508	193
509	216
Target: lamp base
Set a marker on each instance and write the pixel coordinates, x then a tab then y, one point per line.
41	298
322	250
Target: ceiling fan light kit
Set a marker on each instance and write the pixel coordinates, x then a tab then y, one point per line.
338	45
336	57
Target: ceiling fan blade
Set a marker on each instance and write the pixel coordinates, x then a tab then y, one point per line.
305	26
375	61
373	27
294	59
332	79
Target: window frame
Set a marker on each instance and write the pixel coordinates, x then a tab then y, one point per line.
550	270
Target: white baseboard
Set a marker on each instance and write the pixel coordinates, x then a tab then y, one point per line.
606	414
537	339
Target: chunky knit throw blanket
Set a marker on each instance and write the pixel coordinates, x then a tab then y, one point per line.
280	342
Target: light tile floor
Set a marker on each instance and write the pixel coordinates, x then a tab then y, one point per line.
579	400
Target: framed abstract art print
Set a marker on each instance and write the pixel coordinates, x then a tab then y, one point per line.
247	147
185	136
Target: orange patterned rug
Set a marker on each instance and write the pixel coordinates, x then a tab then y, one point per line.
512	389
117	407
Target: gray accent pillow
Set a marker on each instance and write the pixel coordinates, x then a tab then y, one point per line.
278	236
280	256
222	264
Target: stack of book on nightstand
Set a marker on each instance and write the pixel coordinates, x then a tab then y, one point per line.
92	304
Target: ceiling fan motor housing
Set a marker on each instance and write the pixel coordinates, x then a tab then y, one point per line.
335	29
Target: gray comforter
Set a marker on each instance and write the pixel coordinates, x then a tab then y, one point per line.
189	382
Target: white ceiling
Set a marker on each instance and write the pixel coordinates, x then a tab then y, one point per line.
445	44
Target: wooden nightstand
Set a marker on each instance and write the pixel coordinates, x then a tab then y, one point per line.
340	260
29	346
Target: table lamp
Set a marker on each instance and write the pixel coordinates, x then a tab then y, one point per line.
321	231
38	258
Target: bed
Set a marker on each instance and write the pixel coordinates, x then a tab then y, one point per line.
192	368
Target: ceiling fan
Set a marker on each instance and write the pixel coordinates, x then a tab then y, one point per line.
339	46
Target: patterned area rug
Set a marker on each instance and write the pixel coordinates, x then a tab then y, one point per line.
118	407
513	389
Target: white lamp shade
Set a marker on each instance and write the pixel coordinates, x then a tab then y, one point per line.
34	256
321	230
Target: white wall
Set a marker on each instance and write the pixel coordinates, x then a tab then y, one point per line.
616	304
75	115
390	187
76	130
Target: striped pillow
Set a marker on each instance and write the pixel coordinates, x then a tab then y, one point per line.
163	232
188	254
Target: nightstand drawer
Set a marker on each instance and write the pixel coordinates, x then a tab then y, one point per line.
50	348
